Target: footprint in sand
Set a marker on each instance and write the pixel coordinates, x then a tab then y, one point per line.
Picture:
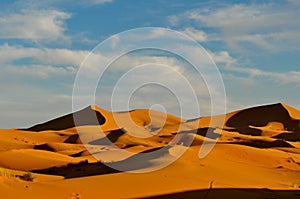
75	196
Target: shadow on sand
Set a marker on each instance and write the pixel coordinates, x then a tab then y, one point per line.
233	193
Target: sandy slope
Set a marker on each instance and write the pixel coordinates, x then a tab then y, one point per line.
256	148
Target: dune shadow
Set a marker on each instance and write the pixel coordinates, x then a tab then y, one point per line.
112	136
259	117
84	117
265	144
141	160
72	139
292	136
205	132
81	169
245	131
84	168
44	147
232	193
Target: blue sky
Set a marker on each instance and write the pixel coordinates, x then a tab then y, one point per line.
255	44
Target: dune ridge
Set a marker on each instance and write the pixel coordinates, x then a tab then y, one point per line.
256	148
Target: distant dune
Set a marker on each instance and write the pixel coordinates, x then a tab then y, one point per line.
257	155
88	116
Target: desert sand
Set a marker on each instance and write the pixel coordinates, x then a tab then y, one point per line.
257	155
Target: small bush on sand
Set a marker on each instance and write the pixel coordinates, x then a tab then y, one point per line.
28	176
6	173
296	184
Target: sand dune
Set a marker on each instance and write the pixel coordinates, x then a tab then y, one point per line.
87	116
256	148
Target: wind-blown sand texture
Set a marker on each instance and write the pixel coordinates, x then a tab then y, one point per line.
257	155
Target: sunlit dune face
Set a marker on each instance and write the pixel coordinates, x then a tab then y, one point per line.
250	145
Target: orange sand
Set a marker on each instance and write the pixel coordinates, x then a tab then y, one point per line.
258	148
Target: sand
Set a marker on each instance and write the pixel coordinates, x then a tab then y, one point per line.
257	155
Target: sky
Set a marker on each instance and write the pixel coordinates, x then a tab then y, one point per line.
255	45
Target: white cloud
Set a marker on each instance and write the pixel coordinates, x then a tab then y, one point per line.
47	56
35	25
223	57
44	4
42	62
198	35
38	71
173	20
231	65
268	26
258	28
295	2
31	105
56	68
96	2
249	91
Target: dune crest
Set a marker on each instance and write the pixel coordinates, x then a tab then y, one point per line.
255	148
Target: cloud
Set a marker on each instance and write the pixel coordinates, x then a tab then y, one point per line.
47	73
173	20
268	26
44	4
223	57
232	66
198	35
236	69
60	65
97	2
38	71
35	25
248	91
250	30
31	105
41	62
294	2
47	56
279	77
